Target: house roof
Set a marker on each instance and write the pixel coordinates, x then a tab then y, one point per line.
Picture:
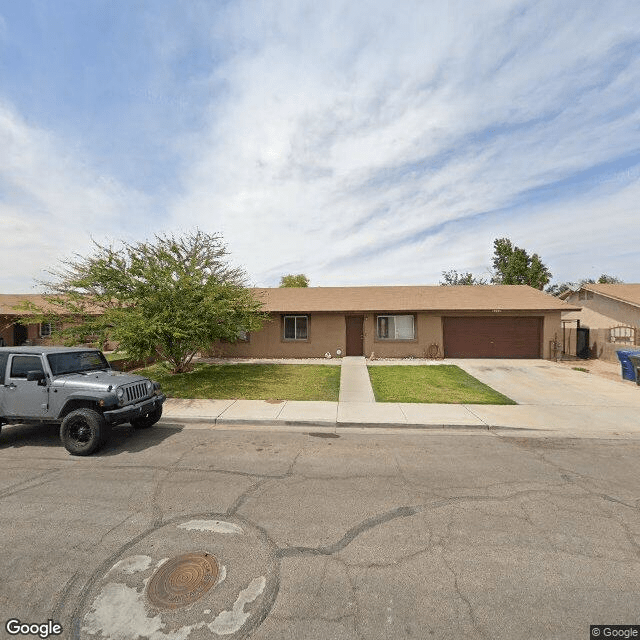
10	300
410	298
629	293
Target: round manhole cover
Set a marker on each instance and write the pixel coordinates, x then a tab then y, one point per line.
182	580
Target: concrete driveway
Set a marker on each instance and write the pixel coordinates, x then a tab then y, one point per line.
540	382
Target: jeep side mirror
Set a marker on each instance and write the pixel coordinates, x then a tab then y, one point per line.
35	375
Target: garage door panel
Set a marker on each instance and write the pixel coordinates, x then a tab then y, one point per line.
492	337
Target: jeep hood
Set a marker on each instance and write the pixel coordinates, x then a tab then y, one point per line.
98	380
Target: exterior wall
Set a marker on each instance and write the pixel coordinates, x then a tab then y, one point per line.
551	331
569	338
428	330
600	348
33	332
6	331
327	333
609	351
624	313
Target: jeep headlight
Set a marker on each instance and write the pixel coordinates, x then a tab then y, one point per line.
149	386
120	394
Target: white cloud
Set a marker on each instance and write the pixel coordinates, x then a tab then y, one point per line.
347	130
52	203
365	143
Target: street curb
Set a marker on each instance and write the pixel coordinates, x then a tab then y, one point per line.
406	425
334	425
247	421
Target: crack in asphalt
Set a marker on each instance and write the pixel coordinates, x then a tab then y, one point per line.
346	616
25	485
464	598
245	495
354	597
350	535
393	563
570	476
64	596
435	502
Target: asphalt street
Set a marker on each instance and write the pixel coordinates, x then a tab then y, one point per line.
185	532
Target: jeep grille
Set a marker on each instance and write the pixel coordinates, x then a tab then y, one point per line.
134	392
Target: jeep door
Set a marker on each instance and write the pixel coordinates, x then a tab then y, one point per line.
22	398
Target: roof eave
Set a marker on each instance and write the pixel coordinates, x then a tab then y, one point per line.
611	297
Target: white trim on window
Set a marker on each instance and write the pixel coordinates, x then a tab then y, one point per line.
45	329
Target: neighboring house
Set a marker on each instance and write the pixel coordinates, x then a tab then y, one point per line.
608	321
14	334
493	321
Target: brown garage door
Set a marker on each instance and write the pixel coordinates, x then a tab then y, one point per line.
492	337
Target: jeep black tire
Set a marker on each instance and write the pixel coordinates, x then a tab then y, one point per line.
148	420
82	431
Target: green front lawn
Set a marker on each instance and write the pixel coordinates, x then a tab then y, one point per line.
250	381
443	383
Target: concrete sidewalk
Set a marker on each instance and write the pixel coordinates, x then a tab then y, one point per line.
583	407
571	420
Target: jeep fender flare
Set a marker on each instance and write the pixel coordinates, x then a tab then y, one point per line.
85	400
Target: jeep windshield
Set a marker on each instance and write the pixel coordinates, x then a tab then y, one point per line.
77	362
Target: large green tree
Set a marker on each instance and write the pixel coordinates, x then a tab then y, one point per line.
558	288
513	265
452	278
297	280
170	297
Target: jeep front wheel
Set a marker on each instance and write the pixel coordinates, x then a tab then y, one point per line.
147	420
82	431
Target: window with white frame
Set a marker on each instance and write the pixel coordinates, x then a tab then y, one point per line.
295	327
395	327
45	329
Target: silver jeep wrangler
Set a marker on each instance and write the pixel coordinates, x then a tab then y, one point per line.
76	388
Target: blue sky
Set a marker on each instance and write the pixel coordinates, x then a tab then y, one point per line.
358	143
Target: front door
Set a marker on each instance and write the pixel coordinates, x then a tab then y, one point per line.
355	335
20	334
22	398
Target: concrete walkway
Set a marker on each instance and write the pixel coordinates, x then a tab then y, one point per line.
355	385
561	400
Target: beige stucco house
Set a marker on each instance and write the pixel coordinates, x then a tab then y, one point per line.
12	333
405	321
489	321
610	316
